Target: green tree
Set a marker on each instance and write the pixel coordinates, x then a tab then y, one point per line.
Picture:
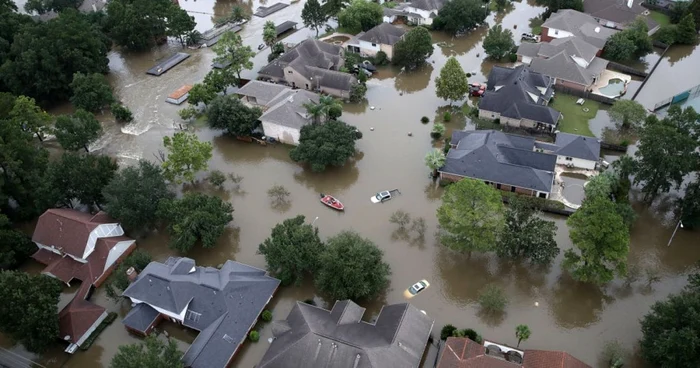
498	42
138	24
671	331
67	44
694	9
238	14
45	6
327	107
15	246
28	313
332	7
627	114
220	79
667	34
601	240
121	113
77	131
322	145
150	353
633	42
522	333
230	50
526	234
292	250
492	299
90	92
313	16
194	218
201	93
217	178
687	33
30	117
667	151
78	177
612	186
230	114
360	15
119	281
452	84
501	4
459	16
413	49
133	195
186	156
180	24
351	267
471	216
678	10
269	33
435	159
555	5
358	92
275	51
690	206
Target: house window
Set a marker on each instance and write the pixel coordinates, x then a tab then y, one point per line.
569	159
542	195
512	189
498	186
374	45
289	71
487	183
193	316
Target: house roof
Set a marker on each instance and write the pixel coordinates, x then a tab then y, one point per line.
519	93
618	11
263	92
140	317
67	229
220	303
76	318
316	337
285	26
502	158
563	66
580	25
428	4
384	33
331	78
574	46
461	352
180	91
578	146
288	109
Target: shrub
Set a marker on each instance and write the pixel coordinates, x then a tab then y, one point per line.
438	130
471	334
513	58
381	57
122	113
266	315
447	116
493	299
254	336
216	178
424	120
614	353
357	92
447	331
400	218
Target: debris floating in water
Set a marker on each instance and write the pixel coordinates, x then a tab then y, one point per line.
371	107
537	304
410	134
372	128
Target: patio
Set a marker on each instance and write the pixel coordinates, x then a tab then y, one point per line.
611	84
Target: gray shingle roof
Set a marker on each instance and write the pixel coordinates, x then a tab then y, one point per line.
529	49
581	25
617	11
512	93
316	337
140	317
331	78
288	108
562	66
498	157
428	4
221	304
263	92
572	45
572	145
384	33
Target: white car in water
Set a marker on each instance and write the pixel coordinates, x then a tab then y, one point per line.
381	197
416	288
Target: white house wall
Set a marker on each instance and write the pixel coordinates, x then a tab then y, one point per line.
178	316
558	33
526	60
577	162
368	48
117	252
281	133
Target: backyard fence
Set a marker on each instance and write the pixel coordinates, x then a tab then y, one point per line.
585	94
685	95
613	147
627	69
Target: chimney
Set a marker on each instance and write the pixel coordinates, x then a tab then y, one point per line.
131	274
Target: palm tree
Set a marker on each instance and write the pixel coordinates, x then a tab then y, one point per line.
522	332
435	159
330	106
315	111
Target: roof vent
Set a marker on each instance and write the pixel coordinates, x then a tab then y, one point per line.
597	29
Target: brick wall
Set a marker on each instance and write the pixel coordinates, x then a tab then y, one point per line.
544	36
571	85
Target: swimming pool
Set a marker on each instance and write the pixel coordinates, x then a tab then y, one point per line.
615	88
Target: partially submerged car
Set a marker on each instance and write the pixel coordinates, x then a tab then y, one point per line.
381	197
416	288
477	89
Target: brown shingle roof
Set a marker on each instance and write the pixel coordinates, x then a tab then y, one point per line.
64	268
551	359
78	316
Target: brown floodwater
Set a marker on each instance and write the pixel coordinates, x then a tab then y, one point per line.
562	313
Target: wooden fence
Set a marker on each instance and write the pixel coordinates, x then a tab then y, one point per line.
585	94
626	69
613	147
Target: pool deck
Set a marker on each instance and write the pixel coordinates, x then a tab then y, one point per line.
605	78
558	187
336	34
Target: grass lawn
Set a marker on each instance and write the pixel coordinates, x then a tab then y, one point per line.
574	119
660	18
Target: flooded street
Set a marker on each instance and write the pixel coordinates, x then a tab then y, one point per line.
570	316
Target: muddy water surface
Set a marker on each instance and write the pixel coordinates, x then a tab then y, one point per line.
562	313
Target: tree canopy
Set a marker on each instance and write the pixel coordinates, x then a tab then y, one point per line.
435	159
90	92
150	353
15	246
498	42
180	24
323	145
45	6
78	177
186	156
690	205
627	114
471	216
313	15
134	193
687	33
360	16
332	7
554	5
270	32
201	92
452	84
119	281
459	16
218	80
231	51
351	267
194	218
28	312
413	49
138	24
527	235
292	250
629	44
77	131
31	118
230	114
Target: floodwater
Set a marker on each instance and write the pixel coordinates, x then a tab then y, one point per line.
563	314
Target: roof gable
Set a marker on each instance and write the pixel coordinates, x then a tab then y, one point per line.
580	25
578	146
65	229
384	33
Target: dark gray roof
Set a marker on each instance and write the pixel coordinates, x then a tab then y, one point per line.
140	317
167	64
288	109
264	11
316	337
498	157
529	49
428	4
563	66
574	46
331	78
519	93
618	11
285	26
384	33
580	25
221	304
572	145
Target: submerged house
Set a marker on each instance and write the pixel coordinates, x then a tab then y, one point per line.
312	65
222	304
317	337
416	12
380	38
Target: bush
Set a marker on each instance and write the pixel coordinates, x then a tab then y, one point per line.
400	218
122	113
493	299
357	92
381	58
471	334
447	331
438	130
216	178
469	75
513	57
266	315
424	120
543	204
447	116
614	353
254	336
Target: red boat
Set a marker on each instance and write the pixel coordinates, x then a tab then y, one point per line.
331	202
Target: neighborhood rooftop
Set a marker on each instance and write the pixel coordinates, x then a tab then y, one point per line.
316	337
384	33
222	304
572	145
563	66
580	25
621	12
